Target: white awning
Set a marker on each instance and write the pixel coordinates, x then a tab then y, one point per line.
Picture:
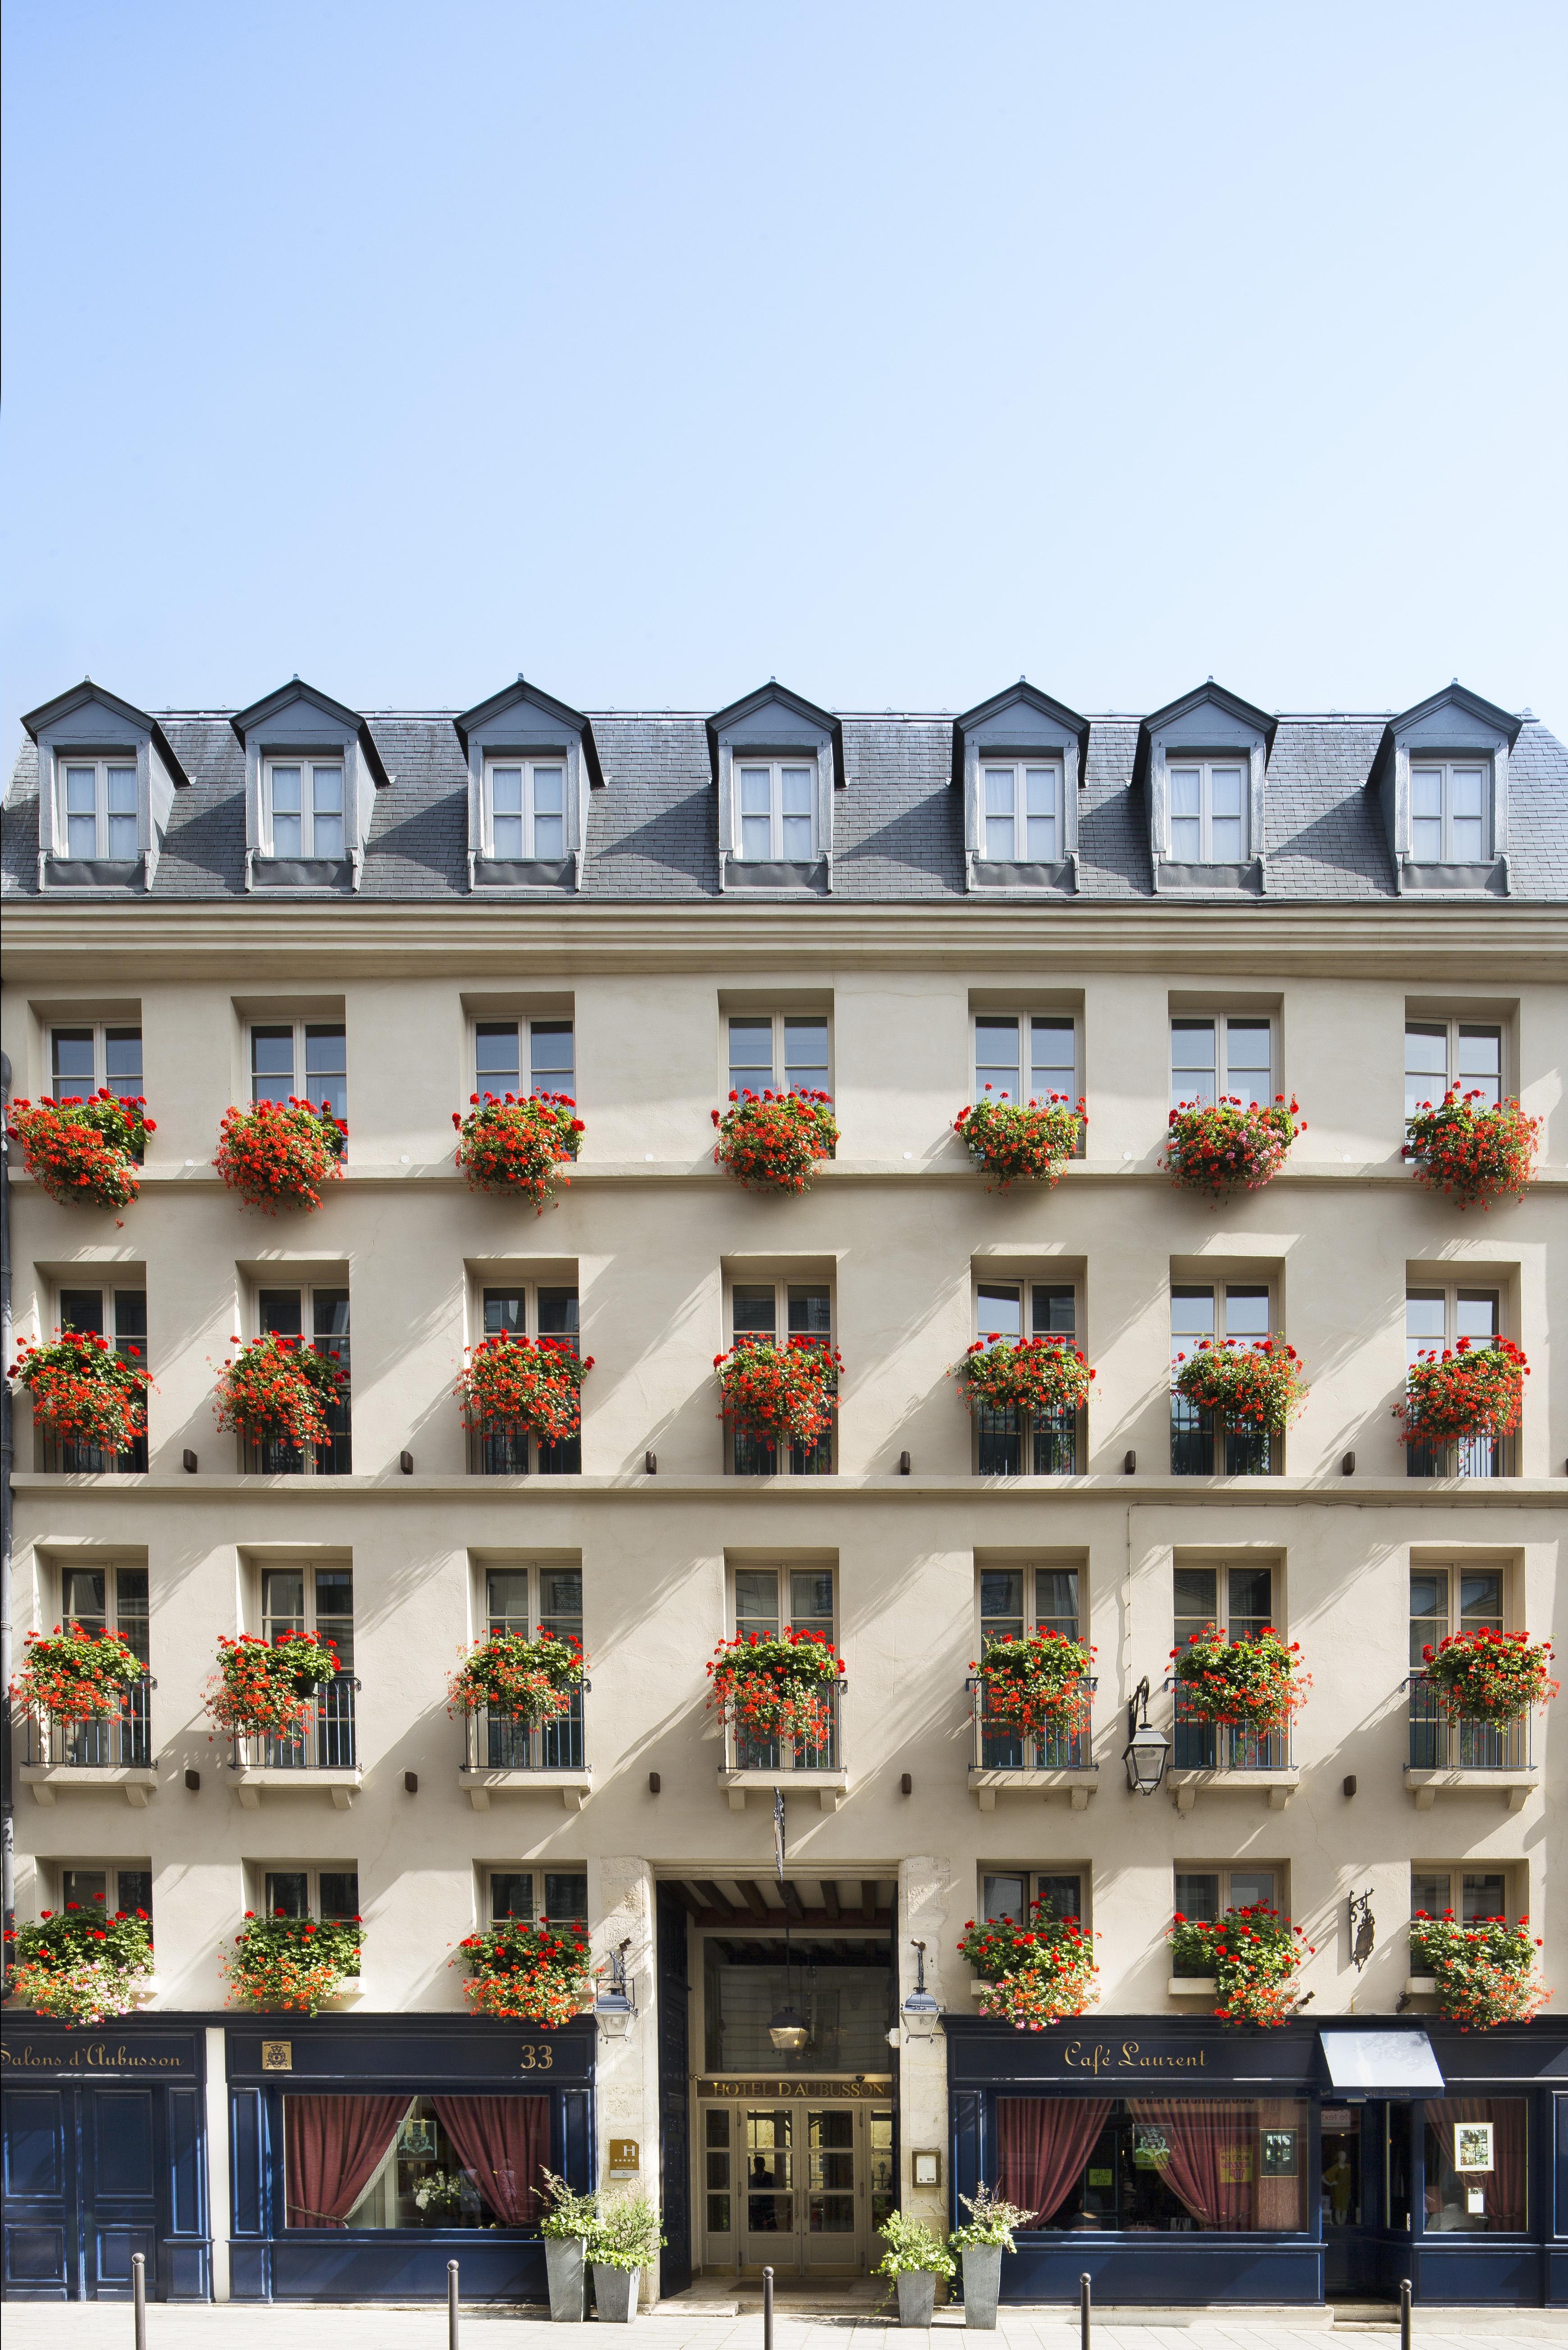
1381	2064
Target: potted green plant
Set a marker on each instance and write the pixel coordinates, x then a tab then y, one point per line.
980	2243
915	2258
625	2242
569	2227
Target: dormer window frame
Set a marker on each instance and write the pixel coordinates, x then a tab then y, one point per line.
89	726
1205	730
1204	766
547	758
780	767
1446	767
523	727
106	766
298	726
307	765
1453	729
775	729
1026	731
1025	773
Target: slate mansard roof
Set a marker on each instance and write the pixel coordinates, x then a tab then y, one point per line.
898	822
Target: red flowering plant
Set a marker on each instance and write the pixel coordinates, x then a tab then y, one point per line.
1255	1955
1489	1676
84	1153
772	1142
1013	1142
291	1963
527	1680
266	1689
1485	1973
513	1380
1475	1155
1257	1682
81	1966
515	1143
1465	1391
1035	1685
1035	1974
777	1686
1039	1375
1248	1384
278	1154
84	1391
1228	1144
780	1395
77	1676
527	1970
277	1389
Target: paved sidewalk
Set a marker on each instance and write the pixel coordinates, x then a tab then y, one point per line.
107	2325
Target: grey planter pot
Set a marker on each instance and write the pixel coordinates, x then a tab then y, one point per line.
917	2296
614	2294
982	2284
563	2262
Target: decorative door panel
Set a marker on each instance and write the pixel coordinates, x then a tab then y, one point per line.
40	2169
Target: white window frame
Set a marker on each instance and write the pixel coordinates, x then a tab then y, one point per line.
306	762
1453	1572
1033	1876
529	764
780	1332
490	1869
1456	1026
1025	1021
300	1083
743	763
313	1871
101	764
1424	1285
1204	764
1021	770
1226	1083
1227	1872
1513	1874
111	1569
523	1024
783	1566
308	1569
779	1080
51	1878
101	1030
1424	764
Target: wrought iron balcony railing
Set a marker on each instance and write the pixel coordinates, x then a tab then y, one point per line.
327	1744
1025	1444
500	1741
1202	1446
1002	1746
1469	1456
1200	1745
742	1753
122	1744
503	1448
1438	1742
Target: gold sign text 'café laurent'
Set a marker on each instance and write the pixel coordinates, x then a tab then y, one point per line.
1130	2056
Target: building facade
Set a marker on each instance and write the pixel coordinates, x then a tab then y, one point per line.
647	911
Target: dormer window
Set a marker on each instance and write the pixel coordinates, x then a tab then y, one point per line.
777	801
1448	807
1022	814
304	808
1207	811
525	809
99	807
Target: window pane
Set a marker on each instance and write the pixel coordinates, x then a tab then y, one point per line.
1467	814
1480	1600
1427	791
331	1316
1002	1600
810	1310
1056	1600
339	1892
1064	1895
1056	1312
1185	800
511	1894
287	823
996	1054
756	791
561	1600
557	1313
756	1599
1191	1316
550	1053
999	839
505	1315
566	1894
1475	1314
549	788
135	1891
506	838
796	785
1053	1049
74	1072
122	1061
288	1891
283	1600
1252	1601
754	1309
1005	1897
1484	1898
122	824
1430	1891
999	786
1225	791
756	837
1185	791
84	1597
326	1068
999	1311
1246	1313
806	1056
1428	1611
549	835
1248	1059
81	811
495	1061
751	1055
1196	1592
506	1599
811	1596
1249	1886
1191	1062
1426	1065
327	790
1425	1320
271	1064
279	1311
1480	1062
506	791
1198	1895
131	1314
82	1889
82	1309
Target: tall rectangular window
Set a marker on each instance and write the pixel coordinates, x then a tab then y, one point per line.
1225	1056
119	1316
94	1057
1200	1446
99	808
548	1312
504	1049
305	1060
780	1310
1016	1603
768	1600
319	1600
103	1597
1015	1443
532	1602
1023	811
1451	808
1022	1057
525	809
776	804
1440	1054
318	1317
302	808
1437	1317
1207	811
779	1051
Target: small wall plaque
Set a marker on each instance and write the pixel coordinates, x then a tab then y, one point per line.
623	2154
277	2055
926	2167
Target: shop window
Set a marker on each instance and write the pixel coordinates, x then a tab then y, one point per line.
1438	1315
95	1884
1011	1893
1200	1446
119	1316
504	1049
780	1310
530	1894
1206	1895
320	1318
546	1312
102	1597
1443	1053
532	1602
769	1600
1015	1443
779	1051
1164	2164
1221	1057
414	2162
303	1060
95	1059
1477	2168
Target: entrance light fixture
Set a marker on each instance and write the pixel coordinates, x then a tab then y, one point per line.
788	2028
922	2013
615	2003
1147	1750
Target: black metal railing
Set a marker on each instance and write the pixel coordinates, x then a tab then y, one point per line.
1439	1742
754	1457
504	1447
1038	1444
742	1753
274	1457
501	1741
326	1742
1002	1746
123	1743
1203	1446
1200	1745
1471	1456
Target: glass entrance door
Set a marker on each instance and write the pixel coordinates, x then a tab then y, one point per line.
796	2186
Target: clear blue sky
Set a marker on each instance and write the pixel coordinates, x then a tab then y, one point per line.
894	350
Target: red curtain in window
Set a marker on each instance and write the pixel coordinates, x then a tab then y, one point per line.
1212	2143
1042	2144
333	2148
1504	2185
505	2142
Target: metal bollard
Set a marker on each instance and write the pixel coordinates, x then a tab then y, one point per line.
767	2309
1083	2311
452	2305
1404	2313
139	2297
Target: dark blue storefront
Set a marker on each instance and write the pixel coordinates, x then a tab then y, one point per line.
107	2153
1179	2161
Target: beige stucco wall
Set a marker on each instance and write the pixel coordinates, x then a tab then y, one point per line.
903	1228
